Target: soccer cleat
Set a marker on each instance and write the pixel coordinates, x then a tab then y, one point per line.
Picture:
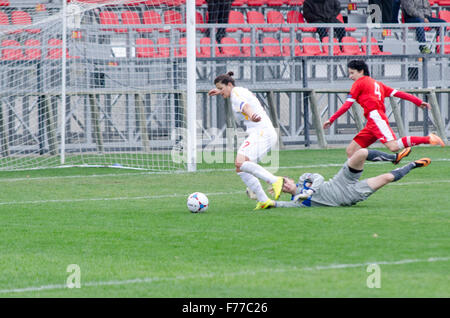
422	162
436	140
402	154
265	205
425	50
277	187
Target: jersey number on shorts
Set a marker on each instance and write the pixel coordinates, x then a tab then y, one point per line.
246	144
377	90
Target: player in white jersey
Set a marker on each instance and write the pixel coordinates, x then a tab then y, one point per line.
261	138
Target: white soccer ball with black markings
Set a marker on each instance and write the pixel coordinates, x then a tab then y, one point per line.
197	202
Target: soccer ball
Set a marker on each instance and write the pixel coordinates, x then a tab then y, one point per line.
197	202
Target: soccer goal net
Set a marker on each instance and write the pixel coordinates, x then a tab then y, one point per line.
93	83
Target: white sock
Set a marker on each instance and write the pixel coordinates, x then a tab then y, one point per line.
253	184
400	144
258	171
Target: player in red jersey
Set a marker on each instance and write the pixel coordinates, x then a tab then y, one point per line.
370	94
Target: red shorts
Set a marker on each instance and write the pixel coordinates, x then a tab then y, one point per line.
377	128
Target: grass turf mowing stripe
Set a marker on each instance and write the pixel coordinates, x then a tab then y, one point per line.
231	274
176	195
185	172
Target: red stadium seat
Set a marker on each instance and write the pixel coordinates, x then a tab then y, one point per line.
199	20
238	3
56	53
271	47
23	18
375	49
4	3
152	17
32	49
296	17
446	45
236	17
276	17
256	17
247	49
230	50
205	48
4	20
110	18
181	51
336	46
313	49
144	48
444	3
350	49
199	3
130	17
155	3
444	15
174	3
256	3
12	54
295	2
163	47
341	18
276	3
287	47
174	17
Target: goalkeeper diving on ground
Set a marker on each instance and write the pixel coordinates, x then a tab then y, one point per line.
345	188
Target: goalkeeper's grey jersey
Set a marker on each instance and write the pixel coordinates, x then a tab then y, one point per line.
343	189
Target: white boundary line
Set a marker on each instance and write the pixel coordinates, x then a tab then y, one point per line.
183	172
174	195
221	275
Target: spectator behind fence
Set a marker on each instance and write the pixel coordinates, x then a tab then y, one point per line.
323	11
218	12
419	11
395	11
385	8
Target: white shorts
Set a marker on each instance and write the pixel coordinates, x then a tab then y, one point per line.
258	143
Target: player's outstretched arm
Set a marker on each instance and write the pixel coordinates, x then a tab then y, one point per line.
289	204
346	106
411	98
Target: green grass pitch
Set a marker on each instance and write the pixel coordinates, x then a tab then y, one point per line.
131	234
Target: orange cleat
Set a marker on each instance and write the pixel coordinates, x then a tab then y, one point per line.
402	154
422	162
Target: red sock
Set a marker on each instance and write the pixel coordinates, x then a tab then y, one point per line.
410	141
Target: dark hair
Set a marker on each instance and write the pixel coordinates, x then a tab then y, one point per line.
359	65
225	79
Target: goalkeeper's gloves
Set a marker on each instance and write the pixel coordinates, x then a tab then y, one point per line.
304	195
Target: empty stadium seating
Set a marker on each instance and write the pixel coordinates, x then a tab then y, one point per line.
33	49
287	47
311	47
276	17
297	18
350	46
22	18
271	47
230	51
375	49
326	48
446	46
150	17
12	53
144	48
